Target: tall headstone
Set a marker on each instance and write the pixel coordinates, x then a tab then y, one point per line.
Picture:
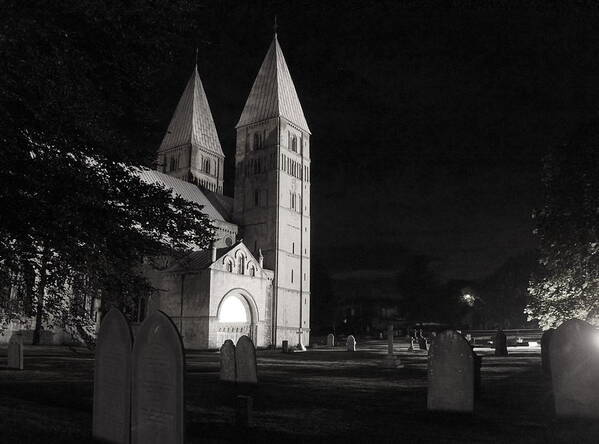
350	345
574	360
245	360
112	380
545	341
227	362
391	361
15	352
331	340
500	343
451	373
285	345
422	343
157	403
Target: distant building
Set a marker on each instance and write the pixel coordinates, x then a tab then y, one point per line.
256	279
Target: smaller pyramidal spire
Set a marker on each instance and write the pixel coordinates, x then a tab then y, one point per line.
273	93
192	121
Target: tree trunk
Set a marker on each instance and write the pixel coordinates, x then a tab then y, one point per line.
39	309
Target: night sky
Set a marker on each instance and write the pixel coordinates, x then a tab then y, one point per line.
428	122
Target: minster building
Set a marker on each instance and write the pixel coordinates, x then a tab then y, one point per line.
255	280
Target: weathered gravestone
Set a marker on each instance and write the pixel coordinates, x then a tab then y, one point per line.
574	360
451	373
227	362
422	342
157	403
545	341
391	361
15	352
331	340
500	343
112	380
245	360
350	345
285	345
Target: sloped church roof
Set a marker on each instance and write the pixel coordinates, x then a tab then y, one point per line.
192	121
273	93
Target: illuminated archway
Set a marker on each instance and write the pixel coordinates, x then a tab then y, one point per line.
234	309
236	315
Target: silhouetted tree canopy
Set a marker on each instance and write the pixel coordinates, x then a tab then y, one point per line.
567	284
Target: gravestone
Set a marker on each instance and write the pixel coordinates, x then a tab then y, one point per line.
157	403
500	343
350	345
331	340
451	373
245	360
227	362
285	346
391	361
112	380
422	344
15	352
545	341
574	361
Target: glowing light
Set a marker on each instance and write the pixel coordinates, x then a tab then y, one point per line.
233	310
596	338
468	299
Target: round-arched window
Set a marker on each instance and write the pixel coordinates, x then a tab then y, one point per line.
233	309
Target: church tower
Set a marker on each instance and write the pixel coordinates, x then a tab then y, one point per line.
190	149
272	192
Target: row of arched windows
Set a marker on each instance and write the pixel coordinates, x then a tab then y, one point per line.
295	168
210	166
239	265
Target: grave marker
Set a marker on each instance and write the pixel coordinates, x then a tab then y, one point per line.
390	360
350	345
574	361
285	346
331	340
245	360
157	413
15	352
500	343
112	380
451	373
545	341
227	362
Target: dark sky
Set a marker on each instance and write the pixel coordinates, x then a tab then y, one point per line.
428	121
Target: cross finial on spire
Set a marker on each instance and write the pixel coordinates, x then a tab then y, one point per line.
275	26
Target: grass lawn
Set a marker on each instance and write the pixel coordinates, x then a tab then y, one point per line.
321	395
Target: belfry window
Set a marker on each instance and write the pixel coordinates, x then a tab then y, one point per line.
294	144
172	166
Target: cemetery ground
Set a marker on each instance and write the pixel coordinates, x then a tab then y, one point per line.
322	395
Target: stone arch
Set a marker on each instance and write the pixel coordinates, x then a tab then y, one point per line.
229	324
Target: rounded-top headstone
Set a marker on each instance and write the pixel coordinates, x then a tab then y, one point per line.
227	362
574	360
245	361
451	377
15	352
112	380
545	341
500	342
330	340
157	403
351	343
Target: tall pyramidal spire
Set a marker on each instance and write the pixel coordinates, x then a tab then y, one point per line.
192	121
190	149
273	93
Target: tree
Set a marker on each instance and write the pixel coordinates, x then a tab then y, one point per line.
567	283
76	92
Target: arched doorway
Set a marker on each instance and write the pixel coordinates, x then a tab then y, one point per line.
235	318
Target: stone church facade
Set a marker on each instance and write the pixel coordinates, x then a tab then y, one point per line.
255	280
